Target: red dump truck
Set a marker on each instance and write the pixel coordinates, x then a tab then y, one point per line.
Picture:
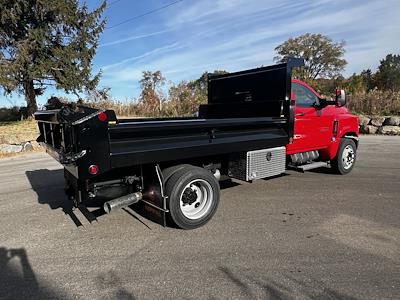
256	124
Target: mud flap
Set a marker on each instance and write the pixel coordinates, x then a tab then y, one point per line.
154	202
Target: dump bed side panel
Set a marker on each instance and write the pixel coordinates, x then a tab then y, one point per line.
147	142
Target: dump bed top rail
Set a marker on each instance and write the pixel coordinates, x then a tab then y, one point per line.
142	126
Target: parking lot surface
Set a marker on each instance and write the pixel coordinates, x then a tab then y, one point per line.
305	236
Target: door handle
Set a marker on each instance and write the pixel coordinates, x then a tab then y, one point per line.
300	114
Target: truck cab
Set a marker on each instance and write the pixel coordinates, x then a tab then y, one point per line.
320	125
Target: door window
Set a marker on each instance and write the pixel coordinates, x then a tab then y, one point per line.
303	96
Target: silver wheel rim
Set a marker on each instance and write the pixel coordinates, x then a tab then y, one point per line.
202	201
348	157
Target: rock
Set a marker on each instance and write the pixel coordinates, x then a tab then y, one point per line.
362	129
11	148
363	120
368	129
392	121
27	146
35	145
371	129
377	121
389	130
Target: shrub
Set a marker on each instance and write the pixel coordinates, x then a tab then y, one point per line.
375	102
11	114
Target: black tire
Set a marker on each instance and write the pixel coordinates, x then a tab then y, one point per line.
204	183
168	172
343	165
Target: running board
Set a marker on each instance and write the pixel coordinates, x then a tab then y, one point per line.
314	165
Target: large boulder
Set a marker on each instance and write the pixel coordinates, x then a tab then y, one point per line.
389	130
35	145
11	148
377	121
363	120
371	129
392	121
27	146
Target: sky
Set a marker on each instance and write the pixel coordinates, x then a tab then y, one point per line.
192	36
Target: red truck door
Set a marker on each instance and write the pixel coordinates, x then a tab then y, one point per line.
312	128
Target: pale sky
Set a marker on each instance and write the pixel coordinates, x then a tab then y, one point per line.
193	36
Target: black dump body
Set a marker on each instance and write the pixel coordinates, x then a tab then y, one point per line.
246	111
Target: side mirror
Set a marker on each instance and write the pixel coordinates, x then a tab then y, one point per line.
340	98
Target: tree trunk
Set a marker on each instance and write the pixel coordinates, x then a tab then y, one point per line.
30	97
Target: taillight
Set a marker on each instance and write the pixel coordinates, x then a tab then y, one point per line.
93	169
102	116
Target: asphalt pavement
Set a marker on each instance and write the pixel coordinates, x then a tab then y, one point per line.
299	236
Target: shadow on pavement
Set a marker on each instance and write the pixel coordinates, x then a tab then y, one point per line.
276	176
49	186
228	183
17	279
312	289
322	171
114	286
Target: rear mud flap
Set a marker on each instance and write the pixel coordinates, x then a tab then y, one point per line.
154	202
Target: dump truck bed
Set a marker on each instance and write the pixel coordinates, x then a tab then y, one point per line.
246	111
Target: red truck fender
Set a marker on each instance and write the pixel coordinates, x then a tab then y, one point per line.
347	128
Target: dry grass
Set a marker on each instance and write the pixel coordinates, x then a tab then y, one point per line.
139	109
17	132
375	102
126	109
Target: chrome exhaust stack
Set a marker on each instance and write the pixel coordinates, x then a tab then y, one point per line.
123	201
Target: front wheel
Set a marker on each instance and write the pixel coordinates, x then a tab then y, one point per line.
193	197
345	157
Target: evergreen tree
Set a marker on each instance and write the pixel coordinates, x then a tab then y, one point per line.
388	75
48	42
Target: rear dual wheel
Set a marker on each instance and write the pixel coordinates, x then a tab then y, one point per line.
193	196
